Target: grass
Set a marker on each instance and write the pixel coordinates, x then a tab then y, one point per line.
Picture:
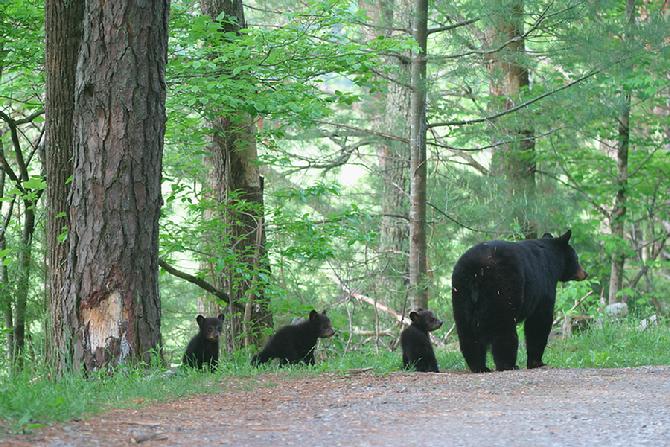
614	345
30	399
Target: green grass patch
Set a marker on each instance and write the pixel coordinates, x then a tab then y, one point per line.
30	399
614	345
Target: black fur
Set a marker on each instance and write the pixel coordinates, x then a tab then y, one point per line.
295	343
497	284
417	350
203	349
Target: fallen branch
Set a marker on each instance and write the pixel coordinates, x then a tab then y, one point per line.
368	333
577	303
366	299
204	285
381	307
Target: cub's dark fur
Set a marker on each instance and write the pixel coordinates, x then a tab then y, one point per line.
295	343
417	350
203	349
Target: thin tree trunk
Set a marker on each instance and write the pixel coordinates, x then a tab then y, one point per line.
63	25
23	283
5	295
418	279
111	301
236	183
390	113
513	162
619	211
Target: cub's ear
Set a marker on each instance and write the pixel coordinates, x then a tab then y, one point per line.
313	314
199	319
547	236
565	238
413	316
220	317
324	312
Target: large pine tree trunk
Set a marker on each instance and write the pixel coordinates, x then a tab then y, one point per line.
111	300
63	26
418	280
514	162
235	182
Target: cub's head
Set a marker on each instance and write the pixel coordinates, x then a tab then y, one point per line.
322	322
572	270
210	328
425	320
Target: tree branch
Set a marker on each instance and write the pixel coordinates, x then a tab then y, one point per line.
440	29
13	129
515	108
200	283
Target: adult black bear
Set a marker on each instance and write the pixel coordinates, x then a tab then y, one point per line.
417	351
497	284
203	349
295	343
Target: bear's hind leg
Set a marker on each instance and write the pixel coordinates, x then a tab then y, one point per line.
504	347
537	328
474	352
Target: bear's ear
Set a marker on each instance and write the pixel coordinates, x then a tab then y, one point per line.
547	236
324	312
413	316
313	315
199	319
220	317
565	238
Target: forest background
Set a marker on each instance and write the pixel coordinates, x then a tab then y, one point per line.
342	156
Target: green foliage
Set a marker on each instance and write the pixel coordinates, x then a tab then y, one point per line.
312	67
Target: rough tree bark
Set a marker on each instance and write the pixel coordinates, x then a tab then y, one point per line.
111	302
513	162
63	26
418	280
235	182
618	215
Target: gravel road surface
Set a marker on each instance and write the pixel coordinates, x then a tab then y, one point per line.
545	407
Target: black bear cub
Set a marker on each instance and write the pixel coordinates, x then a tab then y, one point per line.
417	351
497	284
203	349
295	343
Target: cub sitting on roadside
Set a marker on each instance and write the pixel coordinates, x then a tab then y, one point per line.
295	343
417	351
203	349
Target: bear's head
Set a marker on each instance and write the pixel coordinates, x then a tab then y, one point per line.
425	320
322	323
572	270
210	328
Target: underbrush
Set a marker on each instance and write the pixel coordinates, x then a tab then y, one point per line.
30	398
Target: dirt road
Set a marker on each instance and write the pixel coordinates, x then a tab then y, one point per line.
547	407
